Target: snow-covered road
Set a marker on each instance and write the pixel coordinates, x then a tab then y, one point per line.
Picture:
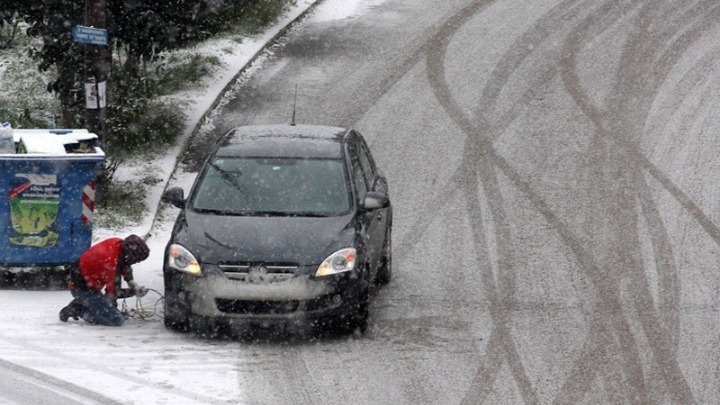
553	168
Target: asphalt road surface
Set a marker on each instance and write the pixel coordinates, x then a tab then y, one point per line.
554	170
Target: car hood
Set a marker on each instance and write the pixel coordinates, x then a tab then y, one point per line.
303	241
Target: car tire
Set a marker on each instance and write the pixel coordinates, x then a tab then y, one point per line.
353	323
359	320
384	274
355	320
176	316
205	327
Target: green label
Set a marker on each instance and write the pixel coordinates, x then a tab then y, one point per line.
34	202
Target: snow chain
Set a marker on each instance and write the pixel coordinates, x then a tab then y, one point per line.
141	312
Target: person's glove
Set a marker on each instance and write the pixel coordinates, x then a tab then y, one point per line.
124	293
139	290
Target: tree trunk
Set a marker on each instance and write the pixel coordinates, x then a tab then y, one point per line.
67	101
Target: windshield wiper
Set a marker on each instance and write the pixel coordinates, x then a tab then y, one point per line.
214	211
309	214
267	213
312	214
283	213
228	178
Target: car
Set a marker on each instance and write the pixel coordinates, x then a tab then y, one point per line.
284	225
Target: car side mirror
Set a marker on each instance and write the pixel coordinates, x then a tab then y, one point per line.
174	196
374	200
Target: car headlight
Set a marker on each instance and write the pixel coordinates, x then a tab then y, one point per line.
341	261
181	259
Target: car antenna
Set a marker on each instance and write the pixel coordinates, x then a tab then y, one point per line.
294	105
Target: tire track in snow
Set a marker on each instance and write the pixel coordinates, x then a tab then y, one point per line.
660	70
663	334
644	301
611	166
284	373
300	378
514	57
487	376
478	166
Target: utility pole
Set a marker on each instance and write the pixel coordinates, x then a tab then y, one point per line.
97	68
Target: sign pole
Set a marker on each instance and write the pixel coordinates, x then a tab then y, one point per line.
97	67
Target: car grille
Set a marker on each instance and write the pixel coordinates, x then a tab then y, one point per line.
256	307
259	274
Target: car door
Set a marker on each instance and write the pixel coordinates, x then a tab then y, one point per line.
375	221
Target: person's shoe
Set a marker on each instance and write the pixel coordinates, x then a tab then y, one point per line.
70	311
65	313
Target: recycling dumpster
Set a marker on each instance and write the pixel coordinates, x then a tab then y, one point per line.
47	196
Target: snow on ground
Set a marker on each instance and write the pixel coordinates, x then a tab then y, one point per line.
345	9
159	366
140	362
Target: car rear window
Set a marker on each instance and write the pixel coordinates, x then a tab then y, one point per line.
273	186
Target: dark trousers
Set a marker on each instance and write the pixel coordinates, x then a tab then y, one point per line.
92	306
96	309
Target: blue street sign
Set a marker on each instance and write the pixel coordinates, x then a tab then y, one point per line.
90	35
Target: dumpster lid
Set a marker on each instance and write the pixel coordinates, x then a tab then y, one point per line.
41	143
56	141
66	136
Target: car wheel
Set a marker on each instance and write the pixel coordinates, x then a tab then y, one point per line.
359	320
355	320
205	327
354	323
176	315
385	271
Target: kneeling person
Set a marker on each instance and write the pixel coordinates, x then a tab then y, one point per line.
104	265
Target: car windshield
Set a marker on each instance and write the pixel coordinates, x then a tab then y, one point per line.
276	186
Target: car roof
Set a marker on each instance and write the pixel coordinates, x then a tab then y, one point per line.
294	141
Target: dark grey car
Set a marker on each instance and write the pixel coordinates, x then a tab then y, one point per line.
284	225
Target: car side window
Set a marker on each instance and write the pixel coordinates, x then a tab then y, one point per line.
359	177
374	179
366	163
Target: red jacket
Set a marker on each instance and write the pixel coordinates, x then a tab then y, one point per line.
98	265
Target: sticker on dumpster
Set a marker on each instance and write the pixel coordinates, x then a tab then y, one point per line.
34	202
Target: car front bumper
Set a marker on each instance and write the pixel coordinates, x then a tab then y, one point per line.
297	299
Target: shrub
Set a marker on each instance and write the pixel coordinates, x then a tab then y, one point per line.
142	124
182	70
